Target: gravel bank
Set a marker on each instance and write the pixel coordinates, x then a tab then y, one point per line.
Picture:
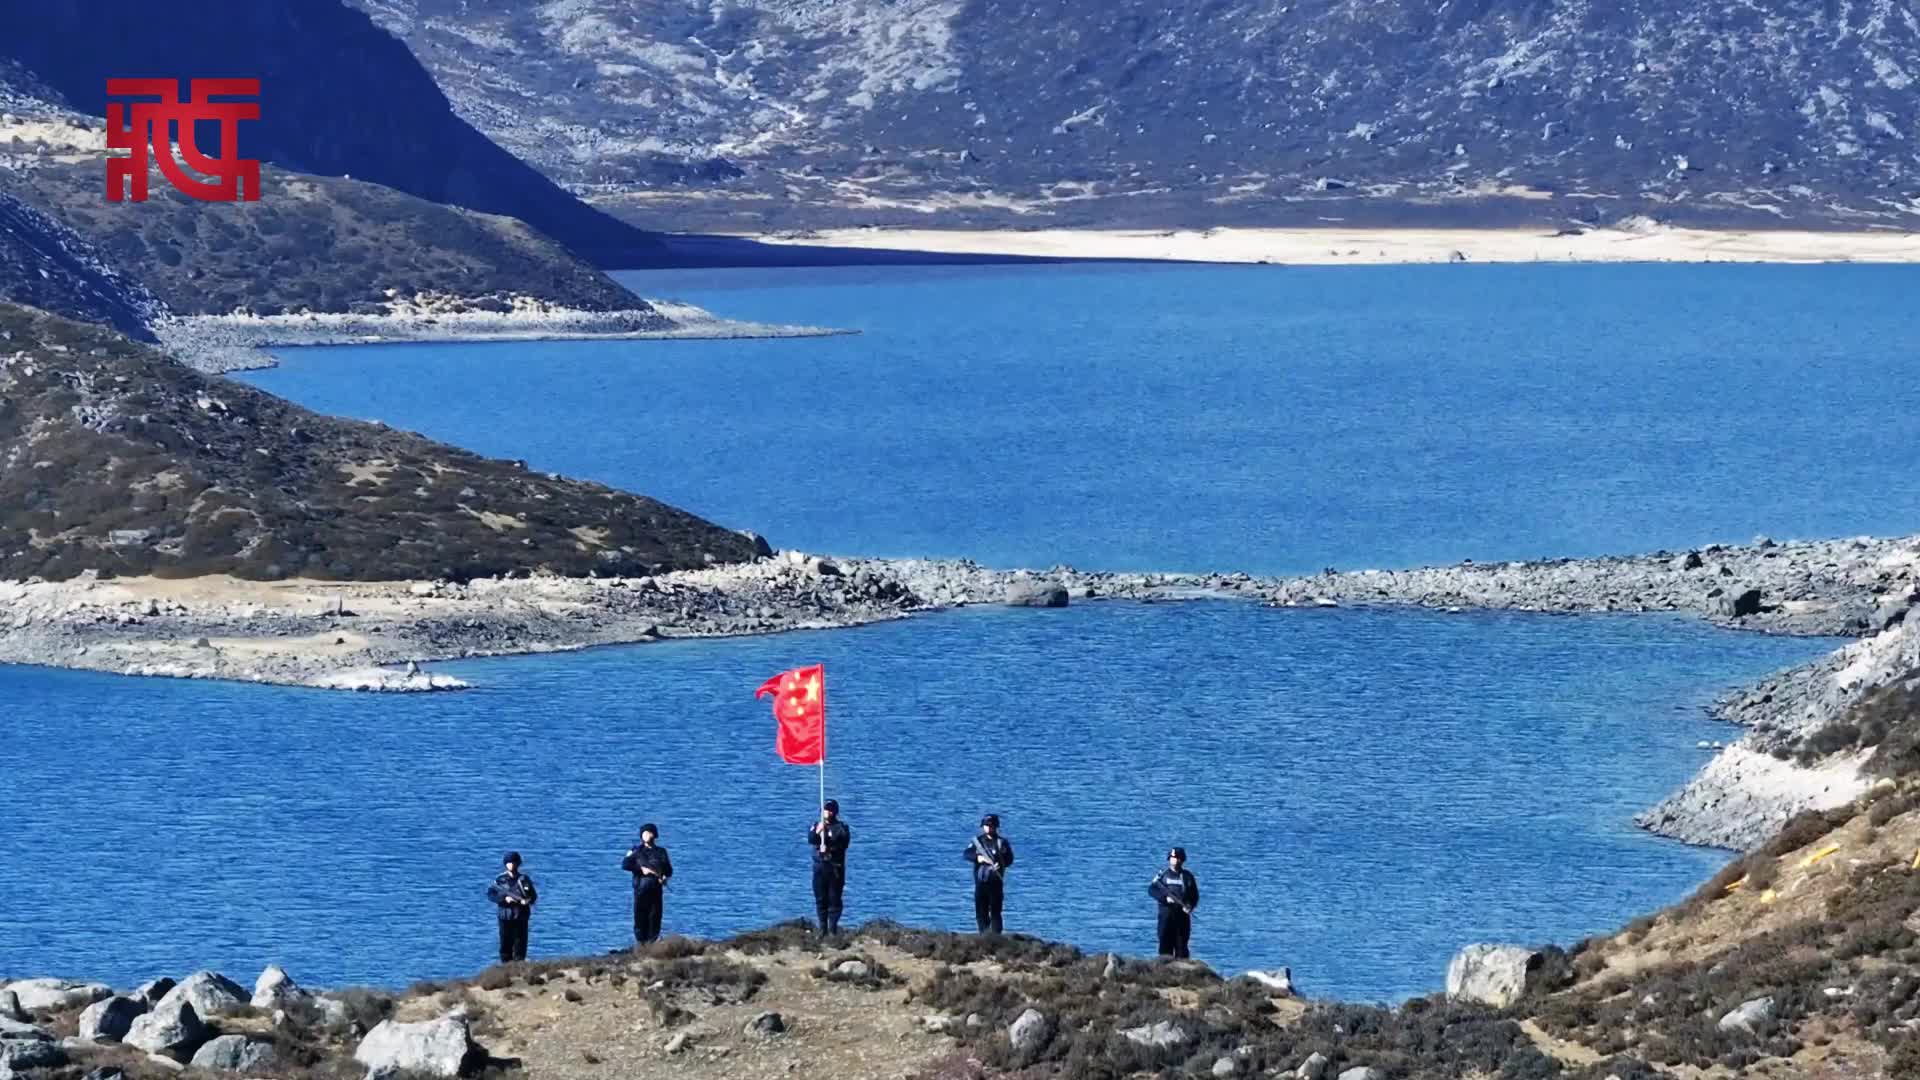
220	343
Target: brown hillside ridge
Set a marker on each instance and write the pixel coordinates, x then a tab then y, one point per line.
115	459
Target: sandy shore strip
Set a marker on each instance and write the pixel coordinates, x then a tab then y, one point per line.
1336	246
377	636
221	343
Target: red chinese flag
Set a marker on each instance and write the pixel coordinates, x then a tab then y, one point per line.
800	707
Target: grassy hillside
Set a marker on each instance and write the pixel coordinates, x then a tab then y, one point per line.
114	458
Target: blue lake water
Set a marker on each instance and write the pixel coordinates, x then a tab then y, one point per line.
1268	419
1361	792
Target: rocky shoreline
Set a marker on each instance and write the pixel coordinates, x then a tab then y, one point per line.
376	636
240	342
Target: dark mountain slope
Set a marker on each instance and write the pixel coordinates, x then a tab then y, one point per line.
318	243
114	458
1217	111
45	264
339	97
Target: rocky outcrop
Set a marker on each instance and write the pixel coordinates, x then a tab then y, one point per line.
1030	1031
1495	975
171	1030
1750	1017
1037	594
1737	604
1160	1035
234	1054
1743	796
1278	983
767	1025
153	990
210	993
34	995
442	1048
110	1020
275	989
19	1055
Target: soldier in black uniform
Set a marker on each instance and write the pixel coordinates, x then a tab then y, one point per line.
513	897
990	854
829	838
1177	894
651	869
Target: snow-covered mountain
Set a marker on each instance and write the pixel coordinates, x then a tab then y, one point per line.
815	111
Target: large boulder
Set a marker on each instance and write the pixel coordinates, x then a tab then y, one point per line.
1030	1031
57	994
1890	613
20	1029
1493	975
1750	1017
110	1020
332	1012
151	992
1737	605
1037	594
19	1055
1314	1068
171	1030
1278	983
234	1053
209	992
1161	1035
275	989
767	1025
1363	1072
442	1047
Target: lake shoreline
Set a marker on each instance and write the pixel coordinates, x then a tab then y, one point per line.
376	636
218	344
1334	245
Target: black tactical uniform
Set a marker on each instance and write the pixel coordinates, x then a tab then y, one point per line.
829	840
513	896
1178	894
650	867
990	854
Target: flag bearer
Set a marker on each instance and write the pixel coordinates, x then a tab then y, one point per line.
1177	894
513	897
648	863
990	855
829	838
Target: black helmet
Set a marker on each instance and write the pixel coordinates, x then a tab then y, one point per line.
650	827
1178	853
991	819
512	857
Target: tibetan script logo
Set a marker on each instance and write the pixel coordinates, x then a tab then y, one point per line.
139	125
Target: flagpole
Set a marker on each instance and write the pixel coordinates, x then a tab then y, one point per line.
823	741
